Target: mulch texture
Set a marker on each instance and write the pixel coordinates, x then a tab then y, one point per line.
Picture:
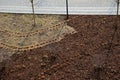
84	55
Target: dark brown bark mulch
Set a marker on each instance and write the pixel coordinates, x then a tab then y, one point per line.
81	56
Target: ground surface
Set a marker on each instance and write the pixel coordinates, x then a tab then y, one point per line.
81	56
19	32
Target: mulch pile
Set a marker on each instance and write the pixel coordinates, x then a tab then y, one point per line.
84	55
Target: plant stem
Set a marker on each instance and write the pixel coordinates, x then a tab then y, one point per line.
2	70
97	71
34	21
67	13
116	25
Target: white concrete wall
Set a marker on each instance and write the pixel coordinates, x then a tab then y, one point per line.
58	6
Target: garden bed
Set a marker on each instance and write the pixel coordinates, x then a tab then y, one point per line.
84	55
